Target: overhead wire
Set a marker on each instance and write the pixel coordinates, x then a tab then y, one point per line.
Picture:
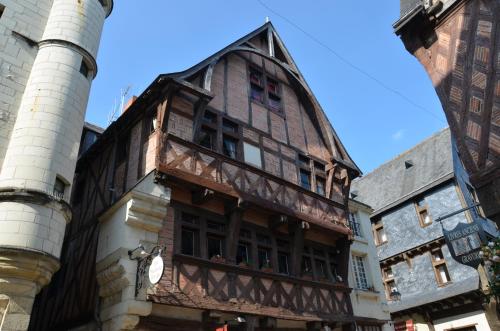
350	64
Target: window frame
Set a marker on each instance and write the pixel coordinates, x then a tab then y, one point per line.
387	279
255	238
246	143
357	273
355	224
436	264
264	89
377	226
420	209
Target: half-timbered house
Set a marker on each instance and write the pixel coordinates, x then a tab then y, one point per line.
231	172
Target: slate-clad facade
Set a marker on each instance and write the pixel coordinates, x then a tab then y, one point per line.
420	185
233	171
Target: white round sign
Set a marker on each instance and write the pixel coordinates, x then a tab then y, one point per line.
156	270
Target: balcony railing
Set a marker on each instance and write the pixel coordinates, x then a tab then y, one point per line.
190	162
208	285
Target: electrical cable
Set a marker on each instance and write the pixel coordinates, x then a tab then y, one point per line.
350	64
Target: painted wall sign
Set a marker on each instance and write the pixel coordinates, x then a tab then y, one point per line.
156	270
464	243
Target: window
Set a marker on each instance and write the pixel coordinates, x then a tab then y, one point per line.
264	257
380	235
320	185
215	246
274	99
334	276
256	86
389	283
152	123
208	138
305	179
230	126
190	234
283	256
265	90
355	225
84	68
358	263
440	268
209	117
423	213
189	242
219	134
59	188
252	154
321	269
307	266
283	263
243	254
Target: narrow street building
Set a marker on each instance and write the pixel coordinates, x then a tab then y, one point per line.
368	294
458	44
420	186
48	51
229	172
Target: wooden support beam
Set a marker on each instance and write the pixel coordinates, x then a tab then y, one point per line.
296	232
201	195
343	248
234	214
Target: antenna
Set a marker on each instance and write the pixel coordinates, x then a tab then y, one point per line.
267	19
112	116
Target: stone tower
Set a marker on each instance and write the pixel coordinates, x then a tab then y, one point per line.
48	52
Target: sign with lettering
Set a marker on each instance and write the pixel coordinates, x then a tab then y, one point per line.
464	243
156	270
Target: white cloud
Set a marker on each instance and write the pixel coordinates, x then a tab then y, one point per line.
398	135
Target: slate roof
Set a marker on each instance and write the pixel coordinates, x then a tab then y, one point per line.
432	162
407	6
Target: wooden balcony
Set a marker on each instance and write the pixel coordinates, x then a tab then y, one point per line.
204	284
189	162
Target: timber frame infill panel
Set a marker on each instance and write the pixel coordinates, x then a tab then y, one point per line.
204	284
189	162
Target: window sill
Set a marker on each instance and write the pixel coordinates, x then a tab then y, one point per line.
368	293
361	239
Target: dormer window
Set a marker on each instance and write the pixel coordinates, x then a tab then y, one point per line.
408	164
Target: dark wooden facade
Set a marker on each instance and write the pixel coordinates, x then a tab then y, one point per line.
252	160
458	44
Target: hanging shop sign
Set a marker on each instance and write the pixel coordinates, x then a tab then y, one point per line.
464	243
156	270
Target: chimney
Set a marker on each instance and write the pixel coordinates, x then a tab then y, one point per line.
129	103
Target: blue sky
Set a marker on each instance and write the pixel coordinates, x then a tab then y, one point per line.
143	39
